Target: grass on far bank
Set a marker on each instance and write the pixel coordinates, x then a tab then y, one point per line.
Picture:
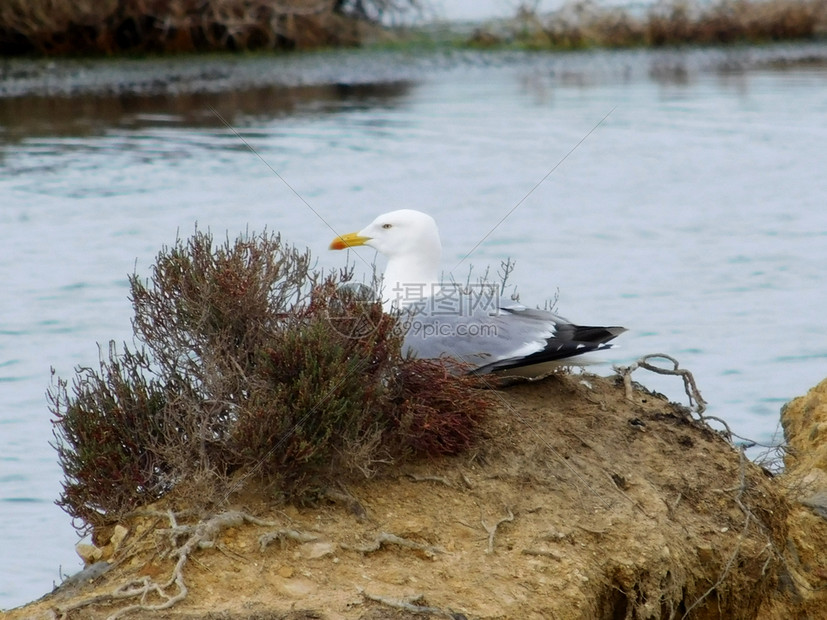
585	23
115	27
89	27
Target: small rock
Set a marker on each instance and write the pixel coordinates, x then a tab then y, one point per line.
286	571
298	588
118	536
88	553
818	502
315	550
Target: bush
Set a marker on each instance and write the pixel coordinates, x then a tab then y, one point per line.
156	26
251	366
585	23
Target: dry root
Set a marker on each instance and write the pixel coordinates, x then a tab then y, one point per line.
283	536
353	505
410	604
492	529
202	535
440	479
392	539
696	401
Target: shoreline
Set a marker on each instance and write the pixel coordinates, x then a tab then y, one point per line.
661	507
117	27
222	73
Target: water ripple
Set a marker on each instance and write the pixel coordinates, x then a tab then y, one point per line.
693	215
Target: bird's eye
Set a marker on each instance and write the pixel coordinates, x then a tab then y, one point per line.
386	226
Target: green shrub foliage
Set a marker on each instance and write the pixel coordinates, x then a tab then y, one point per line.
250	366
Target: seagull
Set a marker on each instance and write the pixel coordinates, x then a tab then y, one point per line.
471	324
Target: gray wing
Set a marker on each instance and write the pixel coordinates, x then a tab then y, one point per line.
513	337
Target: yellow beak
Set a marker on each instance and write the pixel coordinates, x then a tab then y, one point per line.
348	241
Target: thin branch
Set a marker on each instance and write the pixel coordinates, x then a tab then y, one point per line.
696	401
285	535
440	479
407	604
201	535
492	530
554	555
385	538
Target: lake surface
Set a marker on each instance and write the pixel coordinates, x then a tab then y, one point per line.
685	197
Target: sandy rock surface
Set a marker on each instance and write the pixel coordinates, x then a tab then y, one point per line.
578	504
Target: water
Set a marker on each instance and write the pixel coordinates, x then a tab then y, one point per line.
685	200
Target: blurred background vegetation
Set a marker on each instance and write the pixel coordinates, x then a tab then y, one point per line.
156	26
586	23
83	27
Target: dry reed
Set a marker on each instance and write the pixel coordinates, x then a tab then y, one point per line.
585	23
56	27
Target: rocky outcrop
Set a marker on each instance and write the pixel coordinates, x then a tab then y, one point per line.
804	420
579	503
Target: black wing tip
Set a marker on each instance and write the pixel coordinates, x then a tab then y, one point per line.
594	335
615	331
591	339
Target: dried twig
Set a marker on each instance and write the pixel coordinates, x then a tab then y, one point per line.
201	535
492	530
689	381
696	401
354	505
392	539
283	535
408	604
440	479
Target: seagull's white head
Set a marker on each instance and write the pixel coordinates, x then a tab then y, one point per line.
398	233
410	240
